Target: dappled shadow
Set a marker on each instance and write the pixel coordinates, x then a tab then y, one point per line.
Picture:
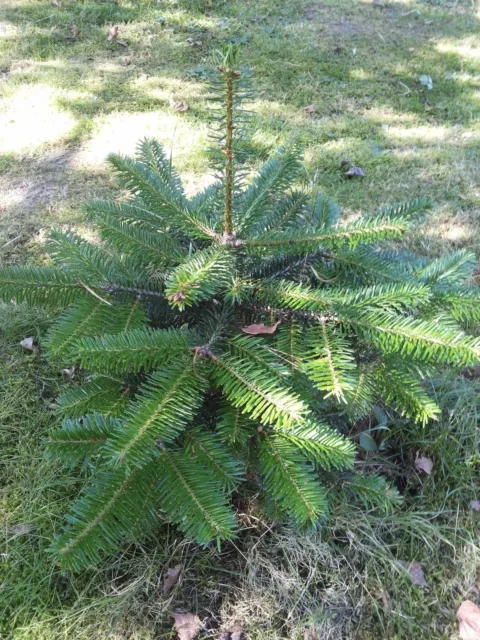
46	193
170	43
359	64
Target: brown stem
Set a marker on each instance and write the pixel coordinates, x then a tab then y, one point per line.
140	293
229	152
289	314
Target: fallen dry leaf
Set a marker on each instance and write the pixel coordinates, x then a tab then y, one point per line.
471	372
187	625
258	329
426	81
424	464
468	616
126	61
383	595
355	172
113	34
171	578
475	505
68	373
311	109
235	632
416	573
56	3
74	30
21	530
27	343
178	105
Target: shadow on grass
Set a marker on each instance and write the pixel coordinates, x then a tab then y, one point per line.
337	52
358	63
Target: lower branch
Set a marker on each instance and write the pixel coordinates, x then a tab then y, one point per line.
141	293
290	314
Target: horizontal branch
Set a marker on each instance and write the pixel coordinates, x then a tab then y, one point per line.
290	314
303	261
141	293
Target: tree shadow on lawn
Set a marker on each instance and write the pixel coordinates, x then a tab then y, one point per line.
354	61
336	52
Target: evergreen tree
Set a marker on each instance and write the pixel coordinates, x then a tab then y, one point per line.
227	336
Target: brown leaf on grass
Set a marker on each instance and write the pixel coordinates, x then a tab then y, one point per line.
187	625
471	372
383	595
21	530
311	109
475	505
74	30
171	578
235	632
355	172
56	3
113	33
28	343
259	329
112	36
424	464
416	573
178	105
468	616
69	373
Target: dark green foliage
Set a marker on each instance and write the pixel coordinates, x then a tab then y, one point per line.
180	408
131	350
90	317
101	393
193	497
79	439
107	513
166	403
290	480
216	457
371	491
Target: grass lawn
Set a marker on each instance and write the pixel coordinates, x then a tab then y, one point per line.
392	87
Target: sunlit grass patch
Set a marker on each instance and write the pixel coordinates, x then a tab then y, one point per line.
29	119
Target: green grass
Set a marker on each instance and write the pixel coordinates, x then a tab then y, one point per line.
64	104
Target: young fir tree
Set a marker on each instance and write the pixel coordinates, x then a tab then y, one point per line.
181	406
